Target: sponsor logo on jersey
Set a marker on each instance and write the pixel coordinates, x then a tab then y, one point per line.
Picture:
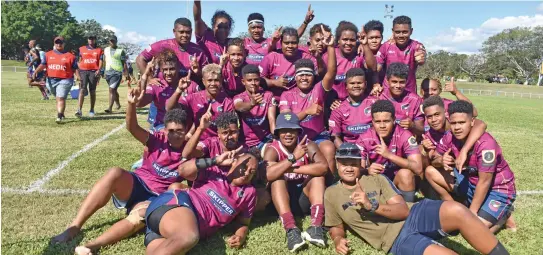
164	172
220	203
358	128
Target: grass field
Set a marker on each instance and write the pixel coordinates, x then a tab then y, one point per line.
33	144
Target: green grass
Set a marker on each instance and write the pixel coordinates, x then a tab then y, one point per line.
33	144
13	63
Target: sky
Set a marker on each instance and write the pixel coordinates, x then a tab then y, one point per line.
445	25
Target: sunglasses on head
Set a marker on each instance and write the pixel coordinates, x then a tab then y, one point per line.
59	42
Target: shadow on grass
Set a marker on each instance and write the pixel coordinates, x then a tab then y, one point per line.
69	248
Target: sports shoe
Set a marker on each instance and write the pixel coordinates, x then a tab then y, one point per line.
294	239
78	114
315	235
91	114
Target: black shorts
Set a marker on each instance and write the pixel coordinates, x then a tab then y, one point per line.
88	80
299	202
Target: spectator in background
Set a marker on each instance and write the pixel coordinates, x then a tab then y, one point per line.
61	67
90	62
115	59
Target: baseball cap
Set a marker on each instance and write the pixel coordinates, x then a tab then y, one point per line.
287	120
112	38
58	38
348	150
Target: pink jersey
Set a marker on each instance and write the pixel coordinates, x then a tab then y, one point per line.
296	101
211	47
275	65
350	120
255	122
402	144
183	55
161	93
282	154
446	103
232	84
409	105
196	106
257	51
160	162
435	136
343	65
390	53
217	202
486	156
212	147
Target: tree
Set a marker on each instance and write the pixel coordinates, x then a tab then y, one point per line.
92	27
520	47
131	49
268	33
437	63
42	21
473	66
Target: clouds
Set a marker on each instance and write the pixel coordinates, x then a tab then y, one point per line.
131	36
470	40
540	8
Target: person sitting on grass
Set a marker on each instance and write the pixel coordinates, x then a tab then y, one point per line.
296	170
372	207
132	190
486	181
178	219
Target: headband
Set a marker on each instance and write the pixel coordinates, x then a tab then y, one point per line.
255	21
304	70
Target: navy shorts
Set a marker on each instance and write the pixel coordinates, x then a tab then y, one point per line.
299	202
159	206
496	204
420	230
324	136
140	192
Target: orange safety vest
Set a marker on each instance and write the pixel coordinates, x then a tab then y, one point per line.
89	58
60	65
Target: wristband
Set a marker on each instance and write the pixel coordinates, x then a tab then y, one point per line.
203	163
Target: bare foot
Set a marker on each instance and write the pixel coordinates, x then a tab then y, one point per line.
66	236
510	224
82	250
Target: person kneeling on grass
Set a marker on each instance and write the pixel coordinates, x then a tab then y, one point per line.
132	190
177	219
372	207
296	170
487	182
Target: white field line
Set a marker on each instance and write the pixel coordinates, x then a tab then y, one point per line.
38	184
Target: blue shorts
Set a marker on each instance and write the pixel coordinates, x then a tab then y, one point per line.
60	87
140	192
152	113
420	230
324	136
496	204
159	206
113	79
267	139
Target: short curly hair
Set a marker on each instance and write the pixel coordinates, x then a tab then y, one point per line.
167	55
222	14
177	116
354	72
224	119
402	20
383	106
250	69
317	29
374	25
237	42
255	15
183	22
345	26
460	106
212	69
431	101
398	69
304	62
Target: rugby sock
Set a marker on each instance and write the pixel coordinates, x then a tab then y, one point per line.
408	196
317	215
288	220
499	250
